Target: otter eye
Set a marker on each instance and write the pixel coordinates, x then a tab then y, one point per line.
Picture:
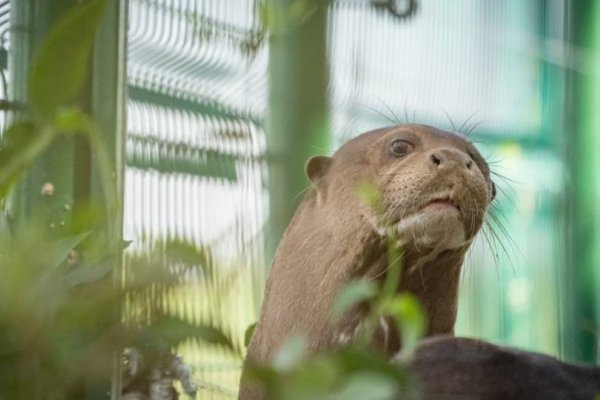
400	148
493	190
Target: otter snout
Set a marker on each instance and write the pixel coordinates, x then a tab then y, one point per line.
444	158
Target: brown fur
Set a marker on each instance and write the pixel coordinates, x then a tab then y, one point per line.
335	237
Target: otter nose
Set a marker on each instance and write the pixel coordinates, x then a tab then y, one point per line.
442	158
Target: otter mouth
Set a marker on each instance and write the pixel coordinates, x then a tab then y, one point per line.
443	203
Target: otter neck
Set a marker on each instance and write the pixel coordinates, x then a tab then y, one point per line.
432	276
434	280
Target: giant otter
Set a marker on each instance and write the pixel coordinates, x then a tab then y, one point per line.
435	189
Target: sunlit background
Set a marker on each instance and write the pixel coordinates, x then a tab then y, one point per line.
197	113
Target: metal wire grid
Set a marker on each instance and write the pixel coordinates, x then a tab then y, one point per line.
4	48
195	145
485	51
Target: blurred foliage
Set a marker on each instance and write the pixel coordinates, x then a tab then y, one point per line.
68	309
55	305
352	373
54	82
58	321
356	371
64	318
56	78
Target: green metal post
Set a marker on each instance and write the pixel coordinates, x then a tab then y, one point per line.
581	318
298	106
69	165
108	107
30	21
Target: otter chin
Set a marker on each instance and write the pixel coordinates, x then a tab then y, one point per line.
433	188
437	228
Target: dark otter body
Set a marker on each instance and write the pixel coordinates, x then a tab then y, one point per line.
435	190
450	368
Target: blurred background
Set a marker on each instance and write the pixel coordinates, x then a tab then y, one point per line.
211	108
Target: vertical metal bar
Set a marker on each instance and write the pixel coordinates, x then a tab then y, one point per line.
581	321
108	104
297	125
108	108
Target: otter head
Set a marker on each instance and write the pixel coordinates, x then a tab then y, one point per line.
434	185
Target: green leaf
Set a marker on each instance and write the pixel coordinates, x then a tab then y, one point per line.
85	274
368	386
73	121
410	319
60	250
23	142
60	65
248	334
189	255
369	194
353	293
290	354
175	331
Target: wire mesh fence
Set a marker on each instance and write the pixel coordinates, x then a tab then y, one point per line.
196	167
4	49
195	159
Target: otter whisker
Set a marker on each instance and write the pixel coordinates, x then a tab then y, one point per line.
302	192
467	121
497	240
387	268
405	211
470	130
450	119
470	198
398	120
491	159
493	163
505	178
498	223
492	244
488	158
388	211
505	194
499	218
382	115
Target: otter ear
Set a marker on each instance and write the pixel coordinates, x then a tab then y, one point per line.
317	167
